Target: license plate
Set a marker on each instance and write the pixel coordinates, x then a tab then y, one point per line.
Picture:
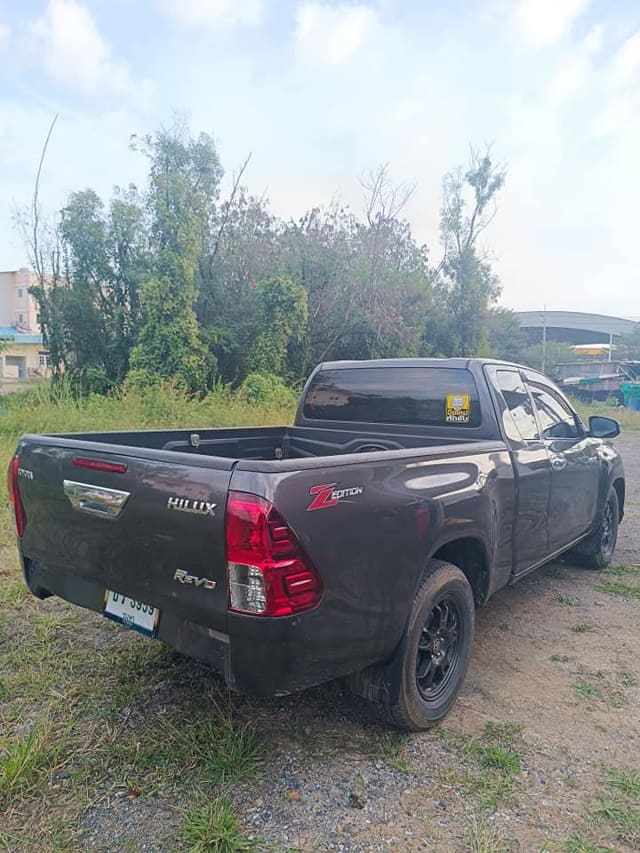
131	613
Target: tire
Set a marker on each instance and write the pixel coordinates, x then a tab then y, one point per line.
421	682
596	551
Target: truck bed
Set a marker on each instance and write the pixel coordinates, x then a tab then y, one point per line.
263	443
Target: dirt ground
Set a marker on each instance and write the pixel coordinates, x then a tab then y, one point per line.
541	752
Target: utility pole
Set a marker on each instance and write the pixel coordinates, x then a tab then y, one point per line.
611	346
544	339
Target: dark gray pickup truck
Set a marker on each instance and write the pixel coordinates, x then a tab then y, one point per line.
357	542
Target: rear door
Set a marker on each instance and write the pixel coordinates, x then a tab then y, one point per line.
574	463
140	529
532	468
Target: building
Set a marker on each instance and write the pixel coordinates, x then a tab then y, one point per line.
575	327
22	355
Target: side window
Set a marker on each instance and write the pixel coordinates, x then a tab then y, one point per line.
518	418
556	418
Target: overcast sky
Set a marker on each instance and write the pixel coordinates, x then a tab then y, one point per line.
320	91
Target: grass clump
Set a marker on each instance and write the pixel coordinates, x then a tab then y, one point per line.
26	762
621	589
227	750
566	600
212	827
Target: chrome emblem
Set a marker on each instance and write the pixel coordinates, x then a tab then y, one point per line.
96	500
188	505
184	577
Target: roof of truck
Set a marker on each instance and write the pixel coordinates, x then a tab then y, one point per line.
411	362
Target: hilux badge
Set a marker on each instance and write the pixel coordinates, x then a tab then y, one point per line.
189	505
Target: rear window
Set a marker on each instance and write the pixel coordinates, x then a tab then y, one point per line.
432	396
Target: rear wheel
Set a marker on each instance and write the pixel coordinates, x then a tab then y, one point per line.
420	684
596	551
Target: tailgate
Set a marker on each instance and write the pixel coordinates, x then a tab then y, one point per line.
146	530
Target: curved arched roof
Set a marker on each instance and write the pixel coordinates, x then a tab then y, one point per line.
577	320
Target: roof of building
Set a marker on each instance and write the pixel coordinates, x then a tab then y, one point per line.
9	333
601	323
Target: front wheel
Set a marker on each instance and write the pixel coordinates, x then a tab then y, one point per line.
596	551
424	678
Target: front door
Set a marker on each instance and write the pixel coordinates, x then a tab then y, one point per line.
532	469
574	464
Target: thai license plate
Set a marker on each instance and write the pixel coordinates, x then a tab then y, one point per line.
131	613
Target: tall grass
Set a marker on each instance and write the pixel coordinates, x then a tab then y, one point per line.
46	408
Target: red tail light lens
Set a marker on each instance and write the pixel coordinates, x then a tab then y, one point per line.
14	495
268	571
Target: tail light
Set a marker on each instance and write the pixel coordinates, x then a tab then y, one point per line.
14	495
268	571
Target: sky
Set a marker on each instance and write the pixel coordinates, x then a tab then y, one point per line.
321	92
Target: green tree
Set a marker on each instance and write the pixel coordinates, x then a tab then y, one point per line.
470	285
184	180
283	320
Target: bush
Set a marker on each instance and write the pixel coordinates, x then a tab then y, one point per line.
266	388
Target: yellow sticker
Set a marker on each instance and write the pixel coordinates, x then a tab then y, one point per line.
458	409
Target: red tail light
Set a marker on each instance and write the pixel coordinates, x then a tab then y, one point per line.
269	574
14	495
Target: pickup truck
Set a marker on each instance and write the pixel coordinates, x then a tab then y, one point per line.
356	543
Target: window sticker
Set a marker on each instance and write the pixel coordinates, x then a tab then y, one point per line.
458	409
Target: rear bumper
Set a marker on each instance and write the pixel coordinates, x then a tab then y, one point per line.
259	656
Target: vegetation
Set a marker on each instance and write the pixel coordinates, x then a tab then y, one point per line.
171	281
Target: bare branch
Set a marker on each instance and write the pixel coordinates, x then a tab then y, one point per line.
38	260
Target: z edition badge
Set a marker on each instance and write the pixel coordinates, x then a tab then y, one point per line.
458	409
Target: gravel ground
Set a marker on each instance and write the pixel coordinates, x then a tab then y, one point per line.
556	666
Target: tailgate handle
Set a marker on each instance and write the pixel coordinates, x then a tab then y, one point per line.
96	500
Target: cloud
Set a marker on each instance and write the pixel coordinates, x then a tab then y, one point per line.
544	22
627	60
215	13
330	35
66	41
5	34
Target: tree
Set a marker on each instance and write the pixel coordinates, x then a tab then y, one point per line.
470	285
184	181
283	320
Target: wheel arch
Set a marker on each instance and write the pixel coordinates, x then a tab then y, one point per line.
470	555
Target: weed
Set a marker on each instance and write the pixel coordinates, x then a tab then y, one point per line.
228	750
627	678
560	658
25	763
566	600
624	818
483	838
390	747
627	781
621	570
621	589
576	844
582	628
587	689
212	827
502	732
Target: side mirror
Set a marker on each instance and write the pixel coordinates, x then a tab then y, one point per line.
601	427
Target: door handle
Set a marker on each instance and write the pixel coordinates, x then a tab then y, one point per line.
558	463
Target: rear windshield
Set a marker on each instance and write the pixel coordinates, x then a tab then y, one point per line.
434	396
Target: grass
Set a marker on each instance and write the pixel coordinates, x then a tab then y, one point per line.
212	827
621	589
566	600
624	818
626	781
390	747
87	710
484	838
26	762
577	844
